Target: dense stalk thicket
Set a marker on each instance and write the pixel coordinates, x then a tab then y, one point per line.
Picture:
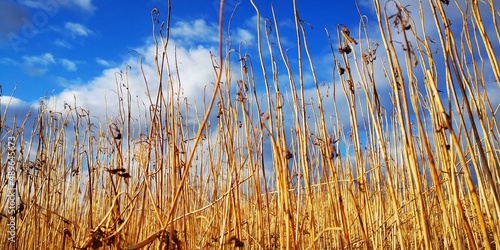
262	164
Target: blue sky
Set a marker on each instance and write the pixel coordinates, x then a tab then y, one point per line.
65	50
51	45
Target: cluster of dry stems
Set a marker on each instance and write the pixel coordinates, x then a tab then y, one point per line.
277	170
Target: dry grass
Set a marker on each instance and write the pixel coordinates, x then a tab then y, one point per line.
276	170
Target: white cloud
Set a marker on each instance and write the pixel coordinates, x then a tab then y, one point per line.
243	35
43	60
68	64
62	43
33	71
195	31
11	102
195	72
91	95
54	5
76	29
85	5
34	4
102	62
67	83
8	61
38	65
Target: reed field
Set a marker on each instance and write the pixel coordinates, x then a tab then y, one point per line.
264	162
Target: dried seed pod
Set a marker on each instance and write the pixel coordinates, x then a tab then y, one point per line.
116	170
347	49
125	175
346	31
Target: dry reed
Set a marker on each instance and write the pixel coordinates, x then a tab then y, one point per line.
276	170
